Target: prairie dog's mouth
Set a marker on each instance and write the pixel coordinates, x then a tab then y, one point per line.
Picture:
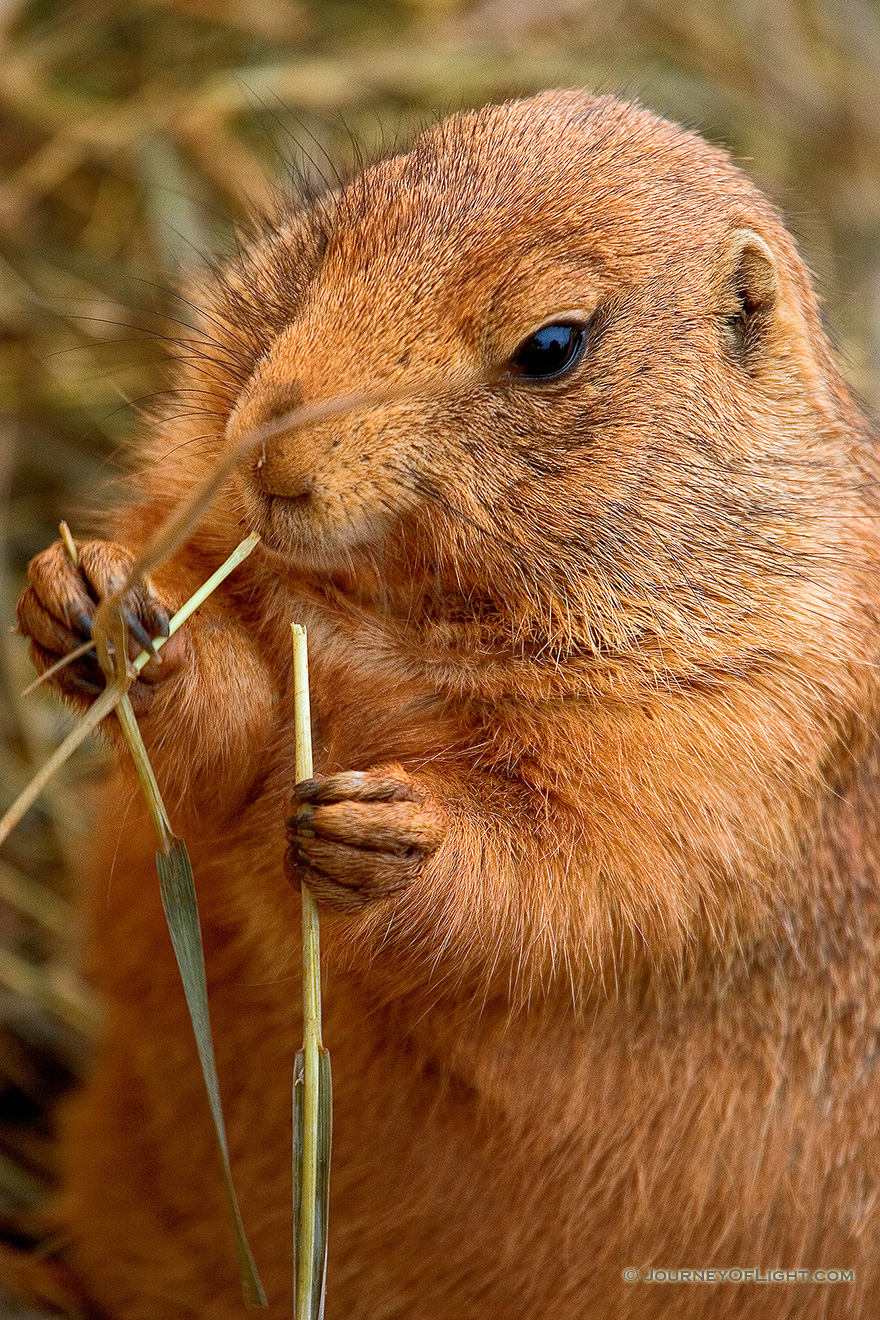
334	557
288	502
283	520
315	528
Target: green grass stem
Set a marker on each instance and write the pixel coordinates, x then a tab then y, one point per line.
312	1096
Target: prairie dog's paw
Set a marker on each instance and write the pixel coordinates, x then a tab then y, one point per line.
58	608
359	836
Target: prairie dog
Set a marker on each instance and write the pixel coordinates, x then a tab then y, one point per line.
593	637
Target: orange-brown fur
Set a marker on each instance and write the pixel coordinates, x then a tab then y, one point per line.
601	922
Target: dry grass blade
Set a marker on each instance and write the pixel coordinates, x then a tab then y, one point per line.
312	1087
181	912
179	901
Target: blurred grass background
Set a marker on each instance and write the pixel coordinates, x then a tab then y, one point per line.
134	133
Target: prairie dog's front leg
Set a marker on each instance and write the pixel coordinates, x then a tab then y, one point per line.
359	836
57	611
204	703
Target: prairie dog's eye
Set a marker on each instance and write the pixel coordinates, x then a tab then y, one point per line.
550	352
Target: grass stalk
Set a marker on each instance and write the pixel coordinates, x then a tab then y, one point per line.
312	1096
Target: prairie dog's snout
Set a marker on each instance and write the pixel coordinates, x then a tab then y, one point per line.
260	416
324	461
284	455
302	462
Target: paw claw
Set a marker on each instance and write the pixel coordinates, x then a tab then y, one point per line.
85	685
162	620
301	823
306	789
139	632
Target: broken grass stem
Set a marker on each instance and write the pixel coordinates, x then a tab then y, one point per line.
312	1083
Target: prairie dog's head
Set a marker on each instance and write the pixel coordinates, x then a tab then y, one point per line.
602	401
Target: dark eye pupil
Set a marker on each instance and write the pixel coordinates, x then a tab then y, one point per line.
550	351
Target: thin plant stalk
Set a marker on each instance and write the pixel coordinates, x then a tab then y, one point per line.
312	1083
132	734
177	889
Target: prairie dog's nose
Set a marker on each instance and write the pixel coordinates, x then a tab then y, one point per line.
263	402
280	465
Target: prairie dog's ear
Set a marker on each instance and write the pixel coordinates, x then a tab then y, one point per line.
752	292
